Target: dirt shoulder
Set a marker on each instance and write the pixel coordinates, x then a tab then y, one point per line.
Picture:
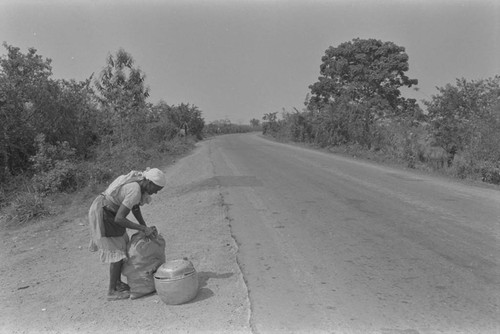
53	284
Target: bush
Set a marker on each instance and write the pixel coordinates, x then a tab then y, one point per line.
26	206
175	146
47	154
92	173
490	172
162	131
465	166
61	178
54	168
461	167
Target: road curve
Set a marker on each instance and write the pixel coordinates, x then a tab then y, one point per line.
330	244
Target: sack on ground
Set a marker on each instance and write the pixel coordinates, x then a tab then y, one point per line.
145	255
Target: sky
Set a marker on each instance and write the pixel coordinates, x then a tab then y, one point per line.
240	59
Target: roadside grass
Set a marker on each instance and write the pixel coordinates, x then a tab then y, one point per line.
383	158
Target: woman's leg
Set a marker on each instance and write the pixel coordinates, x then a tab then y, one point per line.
116	287
115	272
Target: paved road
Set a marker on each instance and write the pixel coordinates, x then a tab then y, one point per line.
329	244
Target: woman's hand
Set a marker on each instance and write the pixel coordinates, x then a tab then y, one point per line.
151	232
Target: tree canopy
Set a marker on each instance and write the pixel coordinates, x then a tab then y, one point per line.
32	103
461	115
123	95
359	85
22	77
362	69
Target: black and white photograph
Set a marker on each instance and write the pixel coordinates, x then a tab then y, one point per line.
250	166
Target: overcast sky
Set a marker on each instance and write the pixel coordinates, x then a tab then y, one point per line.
240	59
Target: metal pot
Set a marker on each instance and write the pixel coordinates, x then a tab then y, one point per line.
176	282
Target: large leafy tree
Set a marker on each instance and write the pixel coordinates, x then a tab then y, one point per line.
363	69
123	93
362	78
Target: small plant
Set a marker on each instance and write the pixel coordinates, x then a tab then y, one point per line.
490	172
26	206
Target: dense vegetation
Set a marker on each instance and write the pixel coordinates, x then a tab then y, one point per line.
60	136
225	126
356	107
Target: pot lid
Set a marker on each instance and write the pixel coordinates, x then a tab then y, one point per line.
175	269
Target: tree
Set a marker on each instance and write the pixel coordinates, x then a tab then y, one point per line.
23	79
254	122
81	126
188	118
463	115
123	95
270	124
363	76
363	69
33	104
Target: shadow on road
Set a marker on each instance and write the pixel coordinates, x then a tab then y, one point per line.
204	276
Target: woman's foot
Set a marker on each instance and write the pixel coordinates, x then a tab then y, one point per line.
120	286
117	295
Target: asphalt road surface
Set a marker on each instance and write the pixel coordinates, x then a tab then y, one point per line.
329	244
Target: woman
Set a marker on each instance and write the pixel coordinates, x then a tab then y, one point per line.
108	221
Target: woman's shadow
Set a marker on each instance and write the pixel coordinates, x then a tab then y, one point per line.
203	291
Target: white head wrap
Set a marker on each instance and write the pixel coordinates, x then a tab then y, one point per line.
156	176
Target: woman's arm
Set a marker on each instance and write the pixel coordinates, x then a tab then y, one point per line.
136	211
121	219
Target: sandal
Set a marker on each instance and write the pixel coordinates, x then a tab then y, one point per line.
118	295
120	287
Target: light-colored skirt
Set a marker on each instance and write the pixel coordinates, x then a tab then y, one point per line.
112	249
